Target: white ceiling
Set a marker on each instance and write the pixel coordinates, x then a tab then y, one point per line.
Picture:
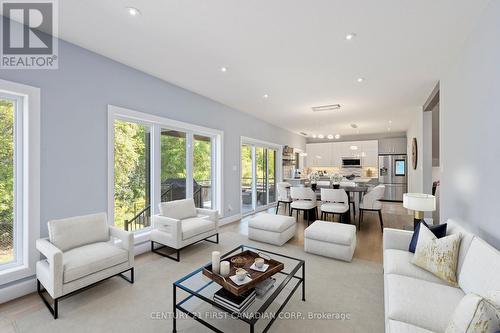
293	50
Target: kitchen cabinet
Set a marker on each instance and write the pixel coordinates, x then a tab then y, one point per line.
330	154
392	146
319	154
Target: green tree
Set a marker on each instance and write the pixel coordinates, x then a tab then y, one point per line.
6	179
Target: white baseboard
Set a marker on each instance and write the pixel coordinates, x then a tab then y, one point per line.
229	219
17	289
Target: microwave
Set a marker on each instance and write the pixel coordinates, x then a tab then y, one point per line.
351	162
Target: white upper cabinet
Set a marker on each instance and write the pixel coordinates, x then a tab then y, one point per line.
330	154
392	146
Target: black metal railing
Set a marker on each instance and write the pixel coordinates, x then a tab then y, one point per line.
169	192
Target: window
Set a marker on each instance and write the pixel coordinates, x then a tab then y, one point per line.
19	180
132	149
8	149
156	160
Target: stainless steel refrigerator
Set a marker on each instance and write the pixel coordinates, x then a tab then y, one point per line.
393	173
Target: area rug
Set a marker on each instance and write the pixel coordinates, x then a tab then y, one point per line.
340	297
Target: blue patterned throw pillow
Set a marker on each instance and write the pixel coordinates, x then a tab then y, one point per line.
438	230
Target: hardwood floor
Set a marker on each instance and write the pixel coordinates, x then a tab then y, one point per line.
369	247
369	238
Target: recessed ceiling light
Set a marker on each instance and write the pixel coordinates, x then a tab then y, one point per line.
265	96
354	147
337	136
388	129
330	136
390	122
350	36
132	11
360	79
321	136
314	136
223	69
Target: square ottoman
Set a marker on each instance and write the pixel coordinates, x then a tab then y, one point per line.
330	239
272	229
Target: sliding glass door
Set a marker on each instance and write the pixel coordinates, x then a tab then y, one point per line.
173	165
258	177
247	176
202	171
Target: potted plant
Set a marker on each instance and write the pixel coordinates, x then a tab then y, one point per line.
313	178
335	179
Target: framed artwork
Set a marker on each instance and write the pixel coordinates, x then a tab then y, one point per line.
414	153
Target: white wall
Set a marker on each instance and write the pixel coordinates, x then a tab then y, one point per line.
470	135
415	177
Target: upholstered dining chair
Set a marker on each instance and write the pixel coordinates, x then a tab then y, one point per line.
371	203
304	199
335	201
284	196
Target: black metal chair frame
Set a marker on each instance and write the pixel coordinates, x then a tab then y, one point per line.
178	251
287	203
343	216
361	215
54	310
315	214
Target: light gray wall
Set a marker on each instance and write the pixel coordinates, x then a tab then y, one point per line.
416	130
74	102
470	136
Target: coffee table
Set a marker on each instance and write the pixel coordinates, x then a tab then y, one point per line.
196	293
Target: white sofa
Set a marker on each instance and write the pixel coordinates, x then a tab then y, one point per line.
416	301
79	252
181	224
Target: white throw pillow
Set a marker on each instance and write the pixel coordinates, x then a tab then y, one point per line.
438	255
475	314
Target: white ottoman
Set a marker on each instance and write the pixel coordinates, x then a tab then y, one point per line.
270	228
330	239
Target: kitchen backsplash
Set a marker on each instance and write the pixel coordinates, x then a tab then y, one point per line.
369	172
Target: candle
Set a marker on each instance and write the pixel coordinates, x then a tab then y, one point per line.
216	262
225	268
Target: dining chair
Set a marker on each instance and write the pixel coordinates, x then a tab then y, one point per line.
335	201
371	202
303	199
284	196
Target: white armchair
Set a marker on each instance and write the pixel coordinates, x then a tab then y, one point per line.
79	252
181	224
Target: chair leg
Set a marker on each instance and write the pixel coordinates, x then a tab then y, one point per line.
360	219
53	310
178	252
277	207
289	208
381	220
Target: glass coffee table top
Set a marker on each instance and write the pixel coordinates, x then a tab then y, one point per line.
193	296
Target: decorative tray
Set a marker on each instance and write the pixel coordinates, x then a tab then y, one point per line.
256	276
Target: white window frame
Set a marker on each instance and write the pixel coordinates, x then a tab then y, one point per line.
277	168
27	180
158	123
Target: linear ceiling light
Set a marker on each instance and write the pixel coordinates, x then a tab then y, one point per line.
326	107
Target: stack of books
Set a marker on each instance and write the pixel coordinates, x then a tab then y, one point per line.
234	303
263	287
